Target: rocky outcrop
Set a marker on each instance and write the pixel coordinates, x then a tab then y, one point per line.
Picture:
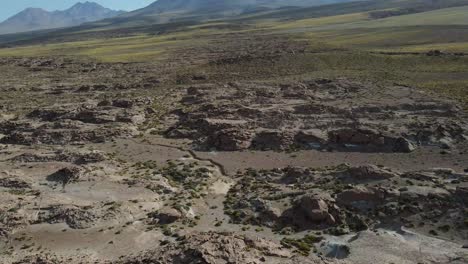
165	216
230	139
82	157
368	172
369	140
100	114
65	137
361	197
435	175
273	140
311	139
220	248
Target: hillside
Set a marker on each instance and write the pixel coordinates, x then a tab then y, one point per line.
32	19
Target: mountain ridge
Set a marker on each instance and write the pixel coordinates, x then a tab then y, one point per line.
216	5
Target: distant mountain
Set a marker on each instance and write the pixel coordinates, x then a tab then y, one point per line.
36	18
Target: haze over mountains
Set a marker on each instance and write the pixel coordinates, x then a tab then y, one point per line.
36	18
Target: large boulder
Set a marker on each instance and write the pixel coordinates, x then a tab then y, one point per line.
310	211
403	145
315	209
66	175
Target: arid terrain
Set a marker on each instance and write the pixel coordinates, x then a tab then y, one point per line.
236	147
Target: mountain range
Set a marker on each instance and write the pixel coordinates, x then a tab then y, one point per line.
161	11
32	19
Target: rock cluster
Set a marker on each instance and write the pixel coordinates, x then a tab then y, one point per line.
77	124
81	157
318	114
346	198
75	216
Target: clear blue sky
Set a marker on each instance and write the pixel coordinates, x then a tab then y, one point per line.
9	8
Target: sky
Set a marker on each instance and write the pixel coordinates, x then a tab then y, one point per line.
9	8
